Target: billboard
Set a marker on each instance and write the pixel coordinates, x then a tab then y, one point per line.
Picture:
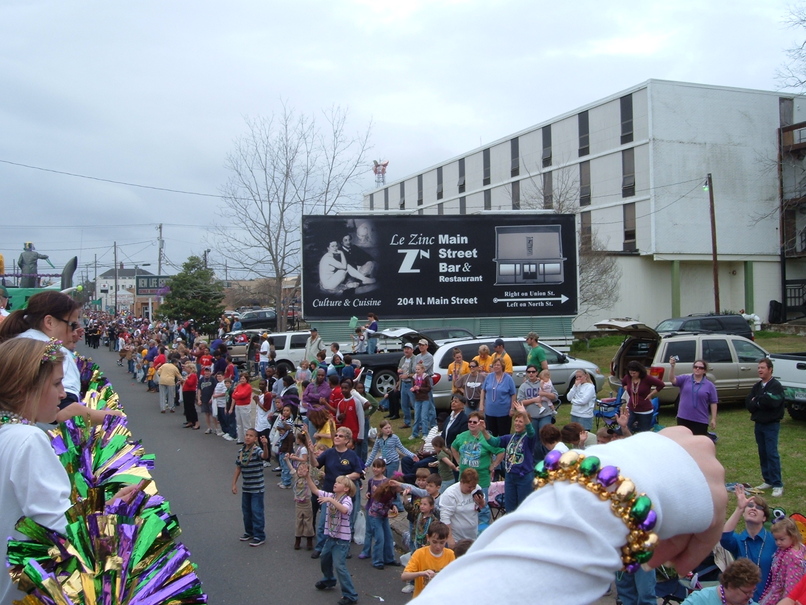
439	266
151	285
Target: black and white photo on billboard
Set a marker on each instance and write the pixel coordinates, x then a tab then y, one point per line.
347	257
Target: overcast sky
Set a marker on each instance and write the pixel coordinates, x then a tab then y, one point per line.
154	93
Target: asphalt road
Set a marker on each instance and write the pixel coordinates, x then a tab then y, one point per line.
194	472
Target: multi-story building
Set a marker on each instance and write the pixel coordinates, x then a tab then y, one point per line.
126	299
633	167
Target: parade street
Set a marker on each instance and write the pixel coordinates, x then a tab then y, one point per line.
194	473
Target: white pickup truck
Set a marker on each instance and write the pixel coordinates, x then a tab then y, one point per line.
790	370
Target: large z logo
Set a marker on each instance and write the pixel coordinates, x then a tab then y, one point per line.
407	266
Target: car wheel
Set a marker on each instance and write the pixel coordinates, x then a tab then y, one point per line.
289	367
797	409
383	382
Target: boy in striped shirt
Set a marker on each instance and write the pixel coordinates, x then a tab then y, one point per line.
249	463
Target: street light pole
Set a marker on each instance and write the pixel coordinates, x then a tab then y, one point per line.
709	184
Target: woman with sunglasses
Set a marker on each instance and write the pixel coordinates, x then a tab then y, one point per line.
48	315
698	398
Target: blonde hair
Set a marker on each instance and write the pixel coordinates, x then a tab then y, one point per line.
787	526
348	483
24	376
544	375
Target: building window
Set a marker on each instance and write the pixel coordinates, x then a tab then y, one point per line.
463	205
628	173
488	199
548	190
439	183
546	146
585	232
584	183
485	156
626	119
372	201
584	134
461	183
402	204
386	199
515	157
440	209
516	195
420	190
629	226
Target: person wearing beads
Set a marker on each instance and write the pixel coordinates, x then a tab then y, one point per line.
736	585
688	501
49	315
388	446
788	565
518	458
33	482
755	542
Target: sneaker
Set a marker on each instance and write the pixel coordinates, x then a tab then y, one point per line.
763	486
266	465
408	588
346	601
325	584
276	470
227	437
777	492
208	432
363	556
283	486
245	537
256	542
219	432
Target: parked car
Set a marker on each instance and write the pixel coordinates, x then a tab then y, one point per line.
289	348
707	324
449	333
790	370
262	319
384	365
732	360
239	342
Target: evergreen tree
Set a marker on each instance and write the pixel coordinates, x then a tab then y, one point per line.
194	294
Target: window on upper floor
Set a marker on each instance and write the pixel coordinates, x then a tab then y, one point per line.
439	183
420	190
463	205
585	231
516	195
386	199
515	157
628	173
485	158
402	204
548	190
628	211
584	134
461	183
546	145
584	183
372	201
488	199
626	119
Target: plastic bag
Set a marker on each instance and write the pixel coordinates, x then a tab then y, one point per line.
360	528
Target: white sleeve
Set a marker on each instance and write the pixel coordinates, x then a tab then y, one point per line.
563	536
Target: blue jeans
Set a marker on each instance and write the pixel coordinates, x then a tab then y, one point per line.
636	588
406	400
334	558
372	346
227	421
640	423
253	521
383	545
517	489
587	423
285	471
263	365
767	442
423	411
485	513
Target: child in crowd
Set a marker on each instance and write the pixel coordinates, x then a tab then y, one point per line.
338	509
545	385
787	562
446	467
303	374
359	340
300	453
150	375
378	470
303	510
285	446
574	435
207	386
248	463
426	516
551	438
426	562
388	446
383	545
316	474
262	411
220	405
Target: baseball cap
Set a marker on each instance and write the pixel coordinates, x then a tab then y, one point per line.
422	341
314	330
408	345
499	342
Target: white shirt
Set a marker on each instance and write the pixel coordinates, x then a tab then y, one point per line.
459	511
33	483
264	352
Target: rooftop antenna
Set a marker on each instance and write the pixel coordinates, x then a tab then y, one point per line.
379	168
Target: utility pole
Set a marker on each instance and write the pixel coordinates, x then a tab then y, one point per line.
95	287
159	251
116	278
709	185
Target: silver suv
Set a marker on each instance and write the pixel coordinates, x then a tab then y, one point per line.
732	360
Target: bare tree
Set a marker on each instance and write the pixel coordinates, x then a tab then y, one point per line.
283	167
599	272
792	74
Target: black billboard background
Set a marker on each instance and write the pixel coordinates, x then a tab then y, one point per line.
434	266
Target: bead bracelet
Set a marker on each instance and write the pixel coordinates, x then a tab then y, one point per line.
634	509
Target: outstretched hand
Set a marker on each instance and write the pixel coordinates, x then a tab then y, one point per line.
686	551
